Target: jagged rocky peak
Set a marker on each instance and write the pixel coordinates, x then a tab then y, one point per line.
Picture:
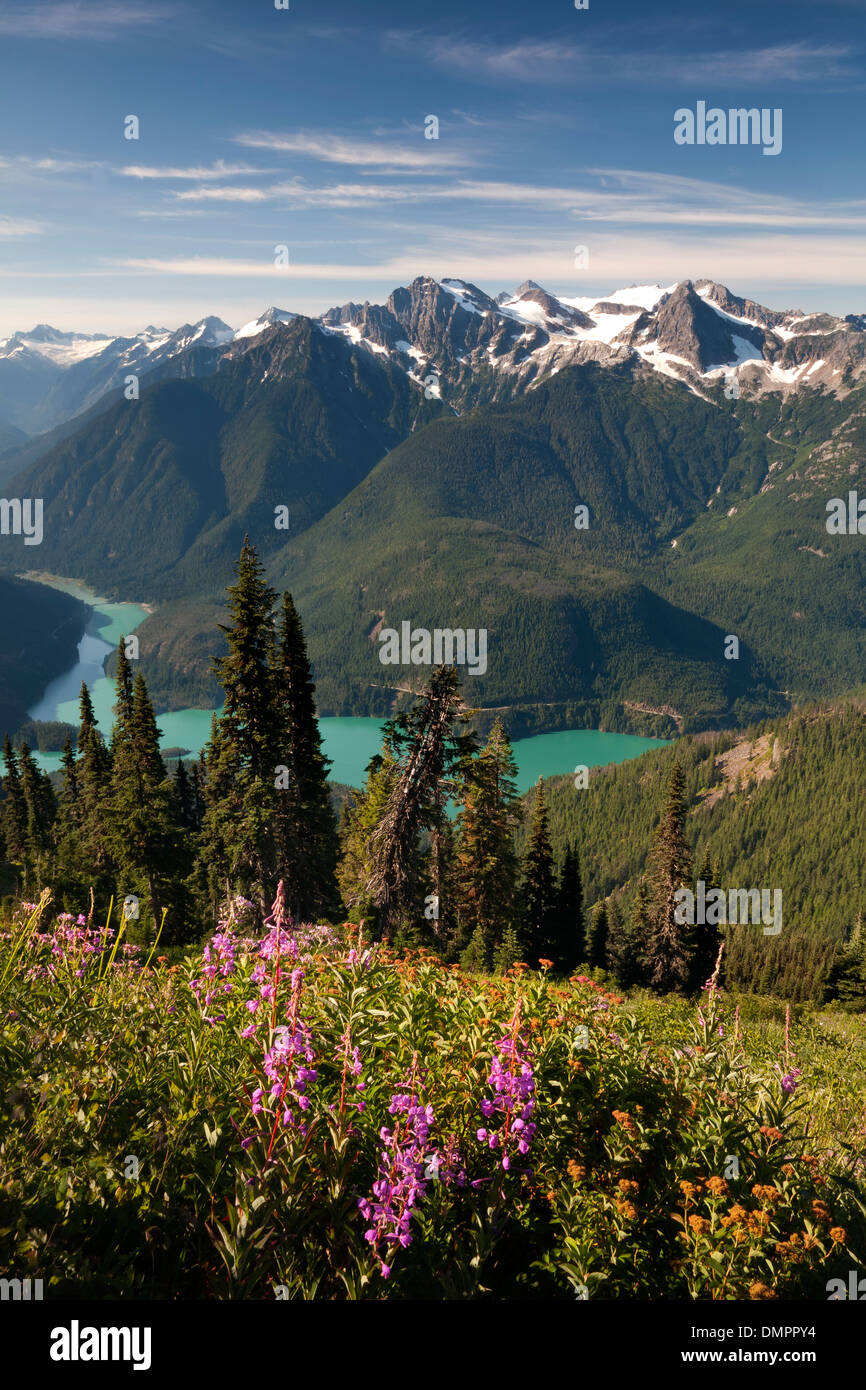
207	332
743	308
687	327
373	322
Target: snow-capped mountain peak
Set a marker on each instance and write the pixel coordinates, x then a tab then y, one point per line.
697	332
268	319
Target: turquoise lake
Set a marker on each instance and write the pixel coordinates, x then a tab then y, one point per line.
349	743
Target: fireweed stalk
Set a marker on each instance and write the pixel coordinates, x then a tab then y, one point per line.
219	963
514	1087
350	1058
400	1184
288	1053
287	1064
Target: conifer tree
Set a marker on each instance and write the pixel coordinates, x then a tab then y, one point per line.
68	801
425	750
486	864
641	915
41	810
506	952
307	842
199	774
14	806
240	791
184	798
123	687
146	837
71	864
568	947
94	783
622	950
475	957
847	977
669	948
539	888
597	949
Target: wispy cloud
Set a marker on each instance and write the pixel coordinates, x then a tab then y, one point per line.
605	196
225	194
219	170
25	165
79	19
545	61
299	194
11	227
336	149
50	165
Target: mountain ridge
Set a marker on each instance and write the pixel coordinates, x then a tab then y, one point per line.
698	331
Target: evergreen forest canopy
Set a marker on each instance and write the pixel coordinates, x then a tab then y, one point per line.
572	877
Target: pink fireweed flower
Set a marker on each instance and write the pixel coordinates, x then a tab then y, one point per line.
278	944
401	1180
362	958
513	1099
350	1059
287	1065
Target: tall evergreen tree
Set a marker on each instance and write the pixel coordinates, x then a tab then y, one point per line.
486	864
242	757
539	889
597	949
72	867
14	806
641	926
41	811
307	842
123	687
847	978
623	950
94	783
199	775
568	947
147	839
184	798
669	948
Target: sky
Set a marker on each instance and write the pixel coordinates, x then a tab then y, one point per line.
304	128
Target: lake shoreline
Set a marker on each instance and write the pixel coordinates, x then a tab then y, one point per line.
349	742
86	594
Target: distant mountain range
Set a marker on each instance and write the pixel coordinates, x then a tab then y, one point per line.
47	376
699	333
427	457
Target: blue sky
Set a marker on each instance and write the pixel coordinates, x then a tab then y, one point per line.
305	128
